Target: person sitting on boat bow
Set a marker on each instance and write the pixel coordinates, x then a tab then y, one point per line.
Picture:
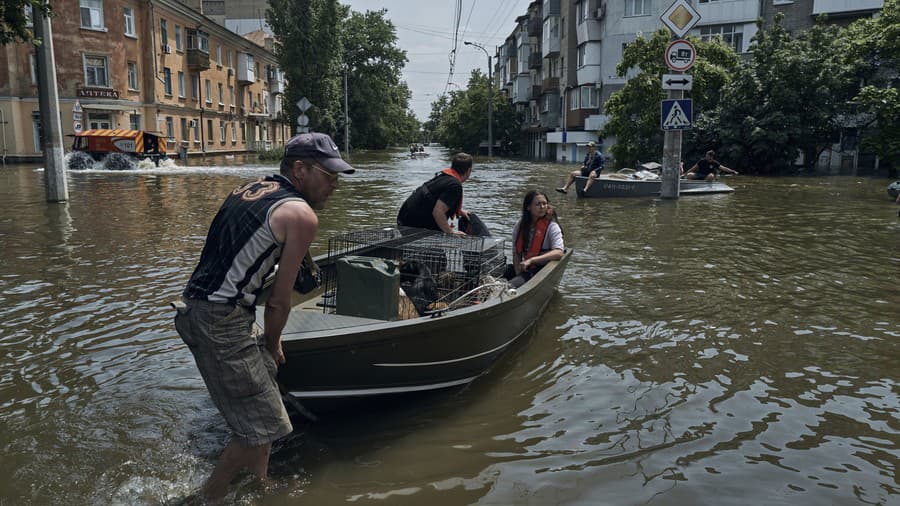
537	238
261	223
438	199
708	168
591	168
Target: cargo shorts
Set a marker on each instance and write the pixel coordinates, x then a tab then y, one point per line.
238	369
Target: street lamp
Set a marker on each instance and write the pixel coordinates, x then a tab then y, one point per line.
489	96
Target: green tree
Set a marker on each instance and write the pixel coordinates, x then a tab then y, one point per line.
430	127
634	110
786	100
15	16
875	44
378	98
309	52
463	122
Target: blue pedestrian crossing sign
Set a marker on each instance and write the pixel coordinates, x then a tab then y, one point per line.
677	114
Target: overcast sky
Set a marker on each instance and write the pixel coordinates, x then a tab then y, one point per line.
425	30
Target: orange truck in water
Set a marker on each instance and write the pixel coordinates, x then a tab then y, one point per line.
137	143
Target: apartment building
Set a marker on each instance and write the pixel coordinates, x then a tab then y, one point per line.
801	15
582	41
157	65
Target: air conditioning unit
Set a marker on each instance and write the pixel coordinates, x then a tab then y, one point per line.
167	49
230	72
601	12
193	123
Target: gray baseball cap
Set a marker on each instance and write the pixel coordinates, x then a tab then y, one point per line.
320	148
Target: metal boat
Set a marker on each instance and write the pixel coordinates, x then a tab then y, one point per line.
339	357
642	184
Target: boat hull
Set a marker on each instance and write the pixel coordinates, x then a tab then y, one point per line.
378	358
606	187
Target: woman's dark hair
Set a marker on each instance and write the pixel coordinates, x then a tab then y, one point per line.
525	222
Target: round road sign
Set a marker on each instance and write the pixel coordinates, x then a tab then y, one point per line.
680	55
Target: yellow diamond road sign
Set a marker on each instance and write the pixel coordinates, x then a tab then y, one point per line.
680	17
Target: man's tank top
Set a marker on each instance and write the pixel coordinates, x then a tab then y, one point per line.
240	249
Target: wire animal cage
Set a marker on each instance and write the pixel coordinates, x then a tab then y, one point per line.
435	269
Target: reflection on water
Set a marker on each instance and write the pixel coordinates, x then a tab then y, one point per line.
721	349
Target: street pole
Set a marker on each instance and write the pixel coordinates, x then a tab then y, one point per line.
489	97
48	100
671	175
346	116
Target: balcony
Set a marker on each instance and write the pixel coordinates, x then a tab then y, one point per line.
550	8
837	7
197	59
535	26
245	68
549	85
535	60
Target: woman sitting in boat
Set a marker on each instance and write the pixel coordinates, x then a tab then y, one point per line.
537	238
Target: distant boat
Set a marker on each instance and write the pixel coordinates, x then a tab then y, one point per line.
418	154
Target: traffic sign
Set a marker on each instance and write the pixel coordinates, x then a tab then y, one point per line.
303	104
680	55
76	116
303	120
76	107
682	82
680	17
76	125
677	114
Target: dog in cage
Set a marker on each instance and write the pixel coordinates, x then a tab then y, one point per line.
418	284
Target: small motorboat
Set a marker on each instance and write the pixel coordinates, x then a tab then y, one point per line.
643	183
358	338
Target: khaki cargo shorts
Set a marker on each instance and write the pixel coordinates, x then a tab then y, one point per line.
237	368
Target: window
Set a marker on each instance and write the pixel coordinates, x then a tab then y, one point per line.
219	55
257	74
32	60
233	133
198	40
733	35
132	76
195	86
590	97
134	121
170	128
100	121
180	84
209	132
638	7
195	125
545	103
222	130
167	80
95	71
221	95
580	9
179	43
231	96
208	91
582	51
230	58
163	32
129	22
184	129
244	132
92	14
782	2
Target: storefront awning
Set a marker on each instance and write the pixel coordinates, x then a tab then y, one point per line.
111	107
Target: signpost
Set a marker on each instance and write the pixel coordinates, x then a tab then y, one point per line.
76	117
676	114
303	120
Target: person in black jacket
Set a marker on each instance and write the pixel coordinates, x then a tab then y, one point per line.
593	164
707	168
438	199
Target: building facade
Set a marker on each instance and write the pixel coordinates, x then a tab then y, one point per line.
572	55
157	65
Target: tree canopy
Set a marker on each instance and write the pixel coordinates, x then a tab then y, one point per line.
318	41
15	19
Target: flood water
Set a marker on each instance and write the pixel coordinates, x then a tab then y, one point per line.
724	349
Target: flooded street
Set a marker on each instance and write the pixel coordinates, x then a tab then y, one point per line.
725	349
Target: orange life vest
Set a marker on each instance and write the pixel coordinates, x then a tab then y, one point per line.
452	173
537	239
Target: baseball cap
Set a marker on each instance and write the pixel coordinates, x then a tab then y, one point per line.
591	144
318	147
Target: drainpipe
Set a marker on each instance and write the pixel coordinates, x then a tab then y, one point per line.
153	53
3	127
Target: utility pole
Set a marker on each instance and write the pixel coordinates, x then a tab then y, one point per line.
54	167
346	117
489	98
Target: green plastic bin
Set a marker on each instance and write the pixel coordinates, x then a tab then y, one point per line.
368	287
